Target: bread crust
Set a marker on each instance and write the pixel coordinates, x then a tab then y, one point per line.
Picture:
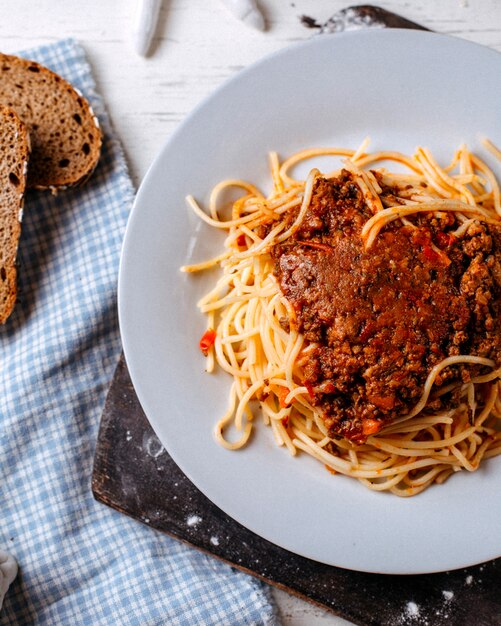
15	149
65	134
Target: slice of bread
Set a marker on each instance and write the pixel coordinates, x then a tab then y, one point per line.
64	132
14	154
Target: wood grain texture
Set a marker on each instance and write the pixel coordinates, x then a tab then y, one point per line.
134	474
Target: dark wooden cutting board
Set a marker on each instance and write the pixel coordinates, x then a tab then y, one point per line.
135	475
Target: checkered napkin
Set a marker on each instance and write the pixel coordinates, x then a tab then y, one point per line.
80	562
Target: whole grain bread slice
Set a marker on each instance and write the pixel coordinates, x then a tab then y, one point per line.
64	132
14	154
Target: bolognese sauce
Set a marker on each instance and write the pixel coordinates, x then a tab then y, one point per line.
379	319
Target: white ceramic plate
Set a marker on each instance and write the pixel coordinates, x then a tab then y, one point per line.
402	88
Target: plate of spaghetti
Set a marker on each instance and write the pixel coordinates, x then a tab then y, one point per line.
310	300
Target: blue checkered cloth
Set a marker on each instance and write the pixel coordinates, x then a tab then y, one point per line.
80	562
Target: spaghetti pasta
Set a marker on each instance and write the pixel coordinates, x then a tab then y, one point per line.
266	357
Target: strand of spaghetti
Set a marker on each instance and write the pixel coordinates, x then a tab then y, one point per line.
248	232
291	353
281	432
279	439
470	447
244	204
372	182
278	183
466	166
470	393
378	221
336	463
392	446
324	442
426	159
231	361
237	320
495	450
192	203
311	414
275	345
222	285
366	187
244	401
272	317
240	337
437	434
225	420
451	360
386	485
276	433
252	282
375	466
263	245
270	408
374	486
461	230
484	414
233	265
259	217
294	393
205	265
468	179
308	190
462	459
418	424
433	180
234	322
493	149
360	151
346	467
277	202
304	155
456	158
352	455
497	406
480	165
229	364
287	440
385	155
288	206
224	184
300	425
492	441
428	207
439	475
417	447
394	179
399	471
484	198
244	297
371	237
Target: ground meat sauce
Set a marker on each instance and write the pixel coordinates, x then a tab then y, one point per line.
381	318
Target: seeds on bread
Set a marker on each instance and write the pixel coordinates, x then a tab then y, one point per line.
15	151
64	132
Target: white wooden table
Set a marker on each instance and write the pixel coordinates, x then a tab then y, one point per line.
198	45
